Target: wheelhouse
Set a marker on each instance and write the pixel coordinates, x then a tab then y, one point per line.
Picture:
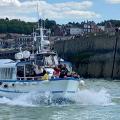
43	59
9	68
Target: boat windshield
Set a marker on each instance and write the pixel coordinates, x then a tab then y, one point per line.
50	60
39	60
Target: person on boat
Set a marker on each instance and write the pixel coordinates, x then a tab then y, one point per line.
20	74
38	70
56	69
54	75
44	71
33	74
75	75
62	74
28	75
69	74
60	66
46	76
65	69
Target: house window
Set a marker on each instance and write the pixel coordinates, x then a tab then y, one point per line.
88	26
88	30
85	26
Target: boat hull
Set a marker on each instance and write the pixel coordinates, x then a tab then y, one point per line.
57	87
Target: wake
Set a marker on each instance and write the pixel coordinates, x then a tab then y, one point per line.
83	97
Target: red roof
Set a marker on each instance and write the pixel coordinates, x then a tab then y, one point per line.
2	35
14	34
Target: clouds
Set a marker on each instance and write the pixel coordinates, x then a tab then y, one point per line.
9	3
72	14
112	1
27	11
24	18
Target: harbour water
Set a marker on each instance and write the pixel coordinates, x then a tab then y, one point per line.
98	100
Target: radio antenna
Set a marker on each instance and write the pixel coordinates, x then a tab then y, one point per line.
43	19
38	14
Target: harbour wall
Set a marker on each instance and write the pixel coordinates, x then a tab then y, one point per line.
105	63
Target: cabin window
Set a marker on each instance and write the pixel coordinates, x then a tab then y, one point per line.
22	68
6	73
28	70
39	60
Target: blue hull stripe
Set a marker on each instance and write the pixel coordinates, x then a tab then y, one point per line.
70	91
57	91
5	97
40	92
57	79
12	91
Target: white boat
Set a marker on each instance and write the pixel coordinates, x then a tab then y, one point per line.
11	87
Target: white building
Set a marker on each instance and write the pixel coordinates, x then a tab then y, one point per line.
76	31
24	39
102	27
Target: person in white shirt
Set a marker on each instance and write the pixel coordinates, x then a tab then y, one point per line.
38	70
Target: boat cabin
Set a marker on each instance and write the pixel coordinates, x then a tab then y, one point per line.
9	68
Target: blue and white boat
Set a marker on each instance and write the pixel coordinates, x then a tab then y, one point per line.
11	87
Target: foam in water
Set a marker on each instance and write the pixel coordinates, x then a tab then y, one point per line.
32	99
90	97
83	97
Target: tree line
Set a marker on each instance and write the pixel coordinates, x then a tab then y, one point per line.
115	22
22	27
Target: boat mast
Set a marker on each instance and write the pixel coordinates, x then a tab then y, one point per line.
38	14
39	49
43	42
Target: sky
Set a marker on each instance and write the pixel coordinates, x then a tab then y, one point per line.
62	11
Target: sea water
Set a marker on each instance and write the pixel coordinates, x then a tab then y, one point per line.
98	100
